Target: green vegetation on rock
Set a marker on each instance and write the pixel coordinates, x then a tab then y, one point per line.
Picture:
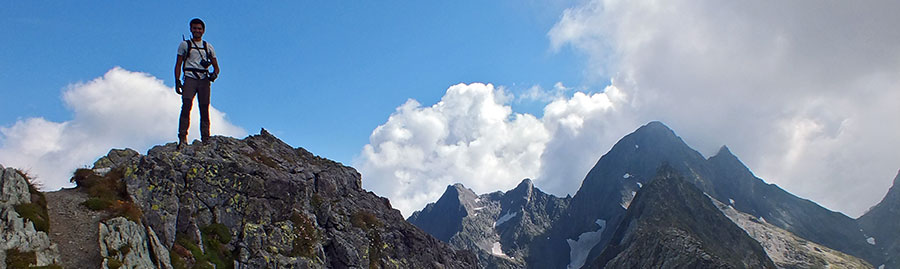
18	259
36	210
214	237
108	192
307	237
369	222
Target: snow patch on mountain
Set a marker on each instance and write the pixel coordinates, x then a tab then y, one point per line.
579	249
505	218
497	250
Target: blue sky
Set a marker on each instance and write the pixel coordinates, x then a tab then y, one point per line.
318	75
421	95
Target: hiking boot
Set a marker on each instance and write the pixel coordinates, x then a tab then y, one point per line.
182	141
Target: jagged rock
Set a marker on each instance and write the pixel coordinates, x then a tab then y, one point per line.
269	205
497	226
13	187
125	244
786	249
672	224
17	233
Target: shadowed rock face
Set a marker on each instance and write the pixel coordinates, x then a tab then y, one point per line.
881	225
272	206
672	224
443	219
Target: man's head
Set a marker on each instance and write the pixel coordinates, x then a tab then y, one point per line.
197	28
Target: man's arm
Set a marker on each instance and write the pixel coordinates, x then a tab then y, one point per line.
215	63
179	61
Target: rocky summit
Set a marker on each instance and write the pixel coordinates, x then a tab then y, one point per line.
244	203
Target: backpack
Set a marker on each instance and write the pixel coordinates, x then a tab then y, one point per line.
190	46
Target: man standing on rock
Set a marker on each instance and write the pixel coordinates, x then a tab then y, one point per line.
194	57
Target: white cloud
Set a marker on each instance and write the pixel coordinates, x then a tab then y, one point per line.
807	97
539	94
121	109
472	137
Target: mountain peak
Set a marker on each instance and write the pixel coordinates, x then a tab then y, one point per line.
655	129
724	150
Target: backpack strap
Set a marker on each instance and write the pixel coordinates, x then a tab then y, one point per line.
187	54
189	47
205	50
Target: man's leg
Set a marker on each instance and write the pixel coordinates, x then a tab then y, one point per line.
203	100
187	101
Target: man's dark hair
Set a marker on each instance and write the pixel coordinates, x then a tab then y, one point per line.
198	21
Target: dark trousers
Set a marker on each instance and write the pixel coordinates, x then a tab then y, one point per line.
199	87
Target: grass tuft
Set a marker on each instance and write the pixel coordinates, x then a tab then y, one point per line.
307	237
369	222
19	259
107	193
36	210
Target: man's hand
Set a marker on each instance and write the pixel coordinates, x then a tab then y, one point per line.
178	86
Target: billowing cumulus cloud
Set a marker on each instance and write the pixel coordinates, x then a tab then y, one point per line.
473	137
121	109
806	93
470	136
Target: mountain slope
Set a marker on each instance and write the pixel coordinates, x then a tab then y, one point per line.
881	224
786	249
672	224
734	182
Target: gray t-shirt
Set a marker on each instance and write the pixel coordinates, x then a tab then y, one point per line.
197	53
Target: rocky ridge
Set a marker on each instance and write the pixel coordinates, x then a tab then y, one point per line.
259	203
498	226
238	203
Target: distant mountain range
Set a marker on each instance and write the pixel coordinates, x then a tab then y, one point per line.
654	202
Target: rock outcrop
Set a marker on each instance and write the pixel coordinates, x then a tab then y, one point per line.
20	241
259	203
672	224
124	242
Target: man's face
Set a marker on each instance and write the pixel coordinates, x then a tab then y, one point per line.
197	30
